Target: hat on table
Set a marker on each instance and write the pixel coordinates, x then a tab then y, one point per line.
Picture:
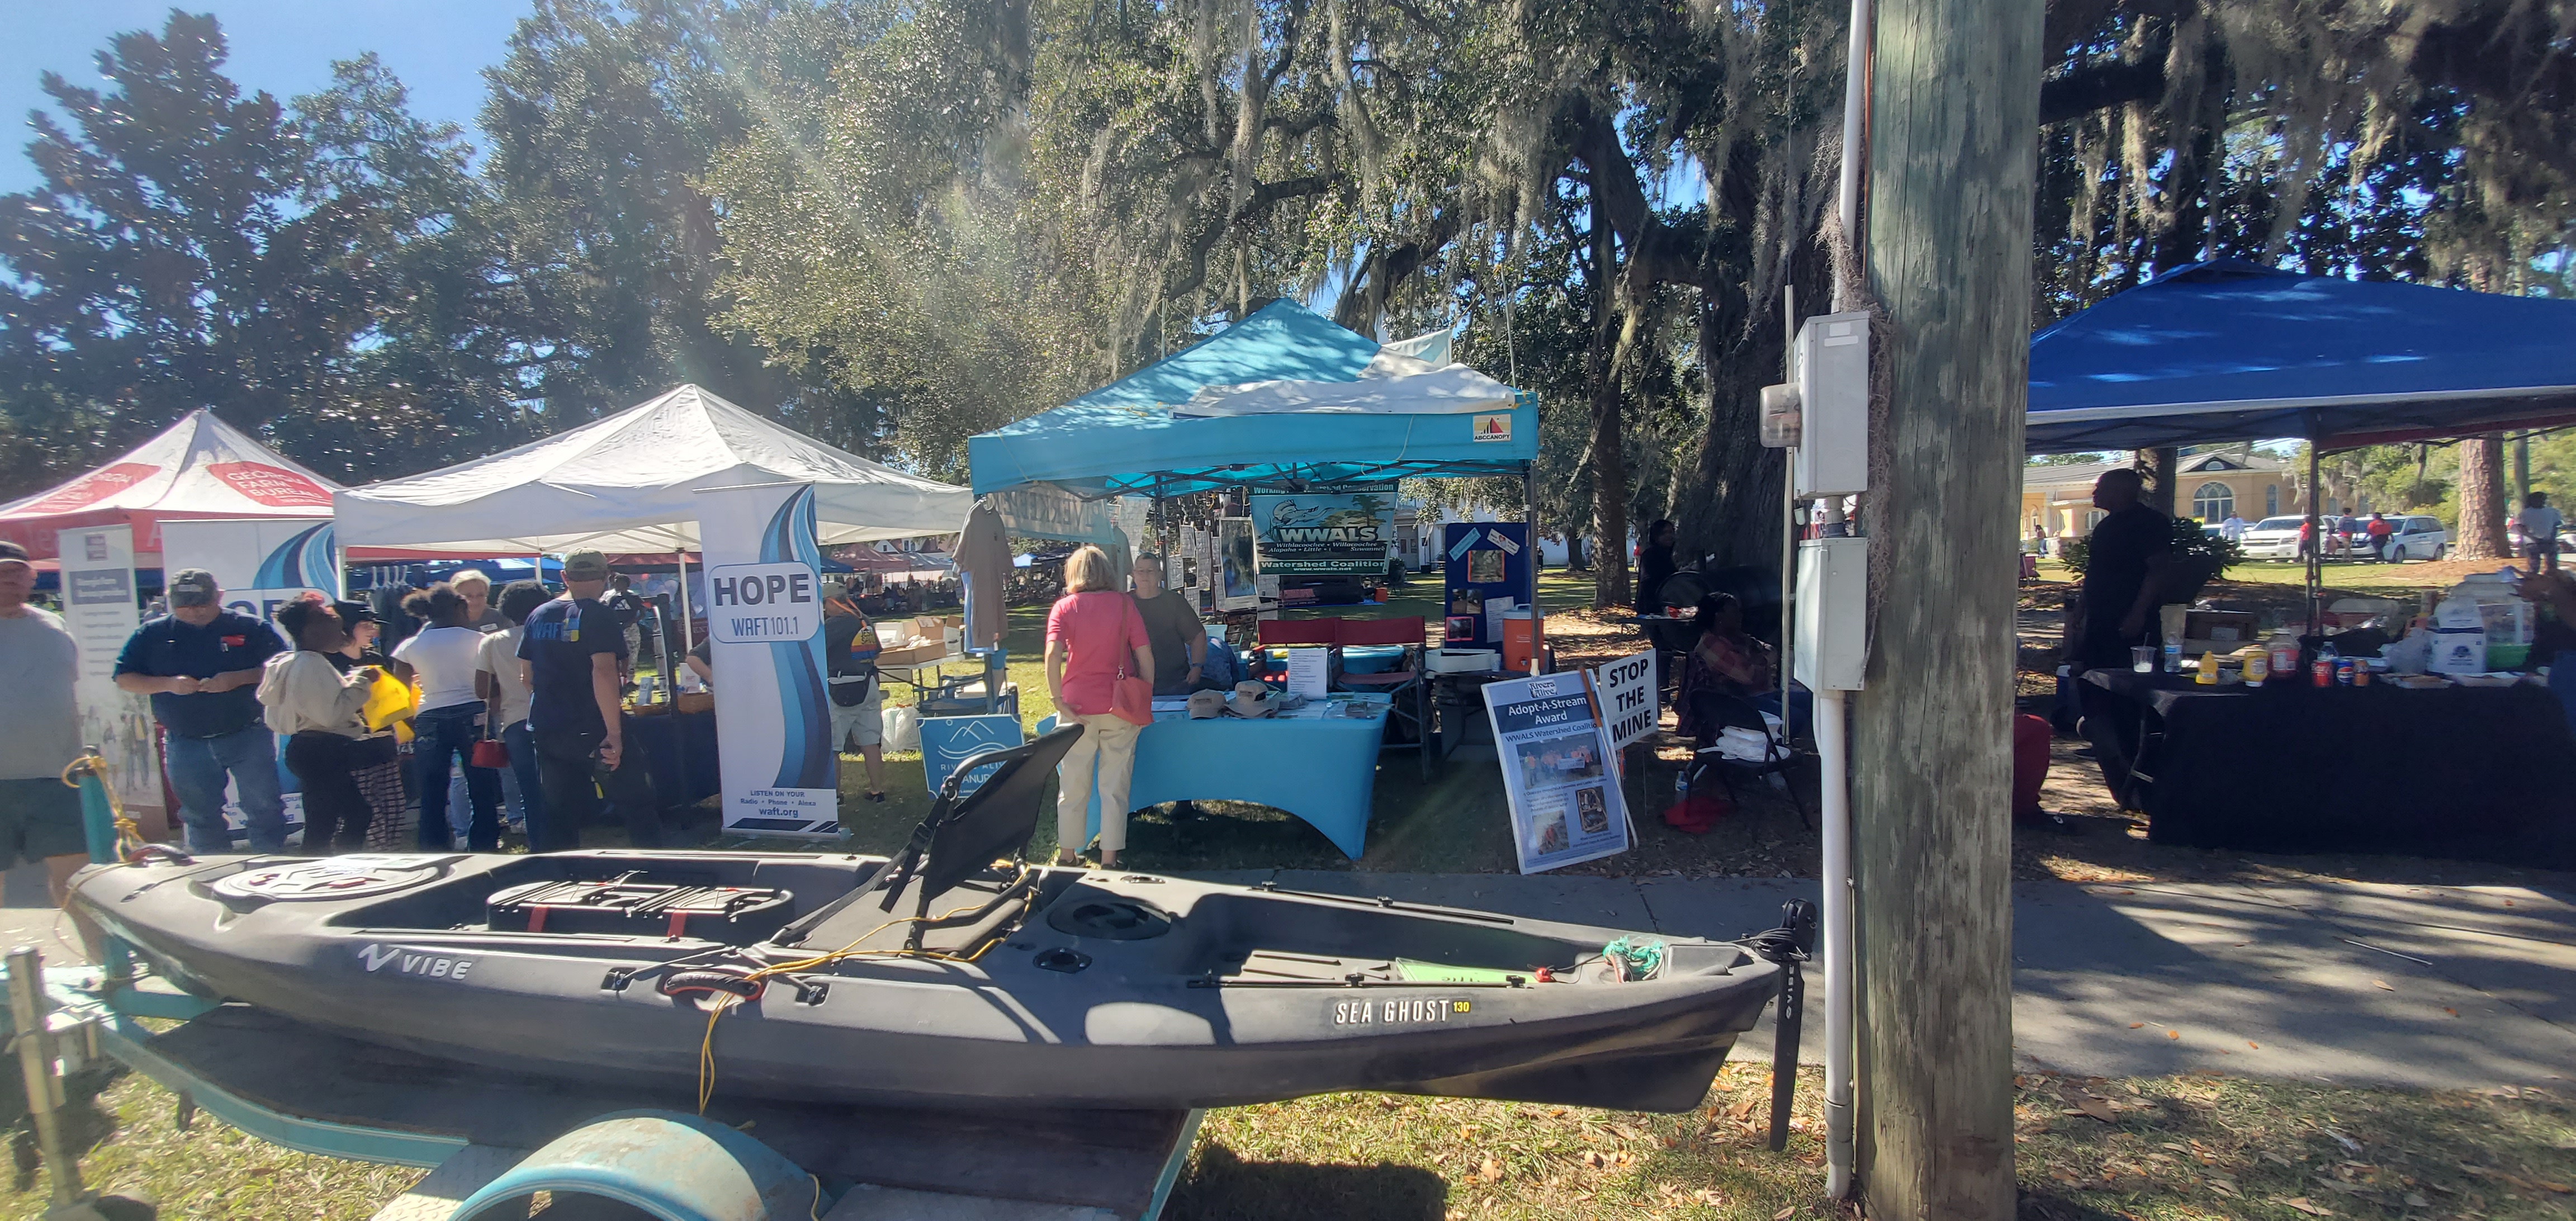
192	587
1205	704
1252	699
585	565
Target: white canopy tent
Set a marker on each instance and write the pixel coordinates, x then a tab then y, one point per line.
629	483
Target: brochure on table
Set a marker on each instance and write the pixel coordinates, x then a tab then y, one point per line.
1487	571
1565	801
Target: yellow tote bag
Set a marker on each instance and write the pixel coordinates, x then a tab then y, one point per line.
391	702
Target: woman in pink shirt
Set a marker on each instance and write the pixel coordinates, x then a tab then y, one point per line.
1093	632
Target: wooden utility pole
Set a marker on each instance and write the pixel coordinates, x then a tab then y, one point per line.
1953	155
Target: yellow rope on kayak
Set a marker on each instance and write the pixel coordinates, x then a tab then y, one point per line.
724	1002
129	834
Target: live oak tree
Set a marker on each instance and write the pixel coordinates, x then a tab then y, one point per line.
305	269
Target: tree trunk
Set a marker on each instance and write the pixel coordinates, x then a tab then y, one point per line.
2162	467
1614	328
2482	500
1953	162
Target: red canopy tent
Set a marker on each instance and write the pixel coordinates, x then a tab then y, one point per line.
200	467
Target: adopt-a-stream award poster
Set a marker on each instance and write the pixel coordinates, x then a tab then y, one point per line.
261	564
99	608
1310	533
1565	801
765	617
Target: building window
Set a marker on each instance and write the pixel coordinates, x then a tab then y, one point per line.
2271	500
2213	502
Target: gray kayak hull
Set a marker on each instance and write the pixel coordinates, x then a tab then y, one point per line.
1229	995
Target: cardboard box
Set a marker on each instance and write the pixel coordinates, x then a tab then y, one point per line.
913	655
2231	629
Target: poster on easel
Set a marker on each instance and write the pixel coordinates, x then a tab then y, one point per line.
100	609
1563	791
765	617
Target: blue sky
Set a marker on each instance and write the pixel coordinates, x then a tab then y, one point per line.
437	47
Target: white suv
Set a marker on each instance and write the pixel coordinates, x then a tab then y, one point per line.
2274	538
2421	538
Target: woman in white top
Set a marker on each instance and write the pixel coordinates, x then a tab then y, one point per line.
444	657
504	688
309	698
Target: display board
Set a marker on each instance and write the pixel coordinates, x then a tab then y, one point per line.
1486	572
1310	533
765	615
100	608
947	741
1238	581
1566	806
1631	697
260	563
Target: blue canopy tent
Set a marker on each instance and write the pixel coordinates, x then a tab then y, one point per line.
1125	439
2229	351
2232	351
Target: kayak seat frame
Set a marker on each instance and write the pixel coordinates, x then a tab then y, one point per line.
965	833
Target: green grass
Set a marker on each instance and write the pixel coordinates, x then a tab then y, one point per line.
2193	1148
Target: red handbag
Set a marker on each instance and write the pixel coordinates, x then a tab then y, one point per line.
490	752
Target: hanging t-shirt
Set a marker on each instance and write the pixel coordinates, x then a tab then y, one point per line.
561	638
445	659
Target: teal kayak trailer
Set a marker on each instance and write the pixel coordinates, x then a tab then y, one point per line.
492	1139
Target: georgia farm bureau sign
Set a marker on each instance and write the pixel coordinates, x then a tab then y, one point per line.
759	603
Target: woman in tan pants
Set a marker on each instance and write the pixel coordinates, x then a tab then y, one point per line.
1093	632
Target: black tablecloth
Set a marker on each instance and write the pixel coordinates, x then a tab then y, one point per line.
2478	773
679	754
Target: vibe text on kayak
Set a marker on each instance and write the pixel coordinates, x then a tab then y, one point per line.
413	962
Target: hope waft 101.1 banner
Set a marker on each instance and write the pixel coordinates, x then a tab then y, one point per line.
765	616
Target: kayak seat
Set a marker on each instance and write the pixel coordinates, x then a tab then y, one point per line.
966	833
962	837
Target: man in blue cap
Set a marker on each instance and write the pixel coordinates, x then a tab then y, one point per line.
201	665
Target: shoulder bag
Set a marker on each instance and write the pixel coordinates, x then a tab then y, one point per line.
1132	698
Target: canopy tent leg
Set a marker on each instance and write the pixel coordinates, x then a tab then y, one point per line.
688	621
1538	554
2316	535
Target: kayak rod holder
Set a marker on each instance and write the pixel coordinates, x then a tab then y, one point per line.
1788	946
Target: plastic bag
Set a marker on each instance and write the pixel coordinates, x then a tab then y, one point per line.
903	727
391	702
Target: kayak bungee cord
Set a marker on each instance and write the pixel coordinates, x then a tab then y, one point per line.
129	834
731	986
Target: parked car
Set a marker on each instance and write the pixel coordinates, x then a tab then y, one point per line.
2273	538
2421	538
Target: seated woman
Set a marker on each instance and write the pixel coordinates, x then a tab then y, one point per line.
1724	661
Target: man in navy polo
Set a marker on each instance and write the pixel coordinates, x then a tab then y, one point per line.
201	665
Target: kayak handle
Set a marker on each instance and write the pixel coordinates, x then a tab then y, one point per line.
730	983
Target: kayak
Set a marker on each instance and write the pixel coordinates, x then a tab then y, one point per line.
833	977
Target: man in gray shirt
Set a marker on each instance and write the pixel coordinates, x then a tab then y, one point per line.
1171	627
40	817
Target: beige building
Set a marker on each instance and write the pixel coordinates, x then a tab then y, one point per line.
2057	501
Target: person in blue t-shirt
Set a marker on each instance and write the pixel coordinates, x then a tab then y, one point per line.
201	665
569	654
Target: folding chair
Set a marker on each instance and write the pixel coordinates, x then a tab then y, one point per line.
1411	694
1719	712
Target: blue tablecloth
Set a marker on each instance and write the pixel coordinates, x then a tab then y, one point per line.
1322	771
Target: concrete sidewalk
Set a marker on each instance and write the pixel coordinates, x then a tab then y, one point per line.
2364	984
2355	983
